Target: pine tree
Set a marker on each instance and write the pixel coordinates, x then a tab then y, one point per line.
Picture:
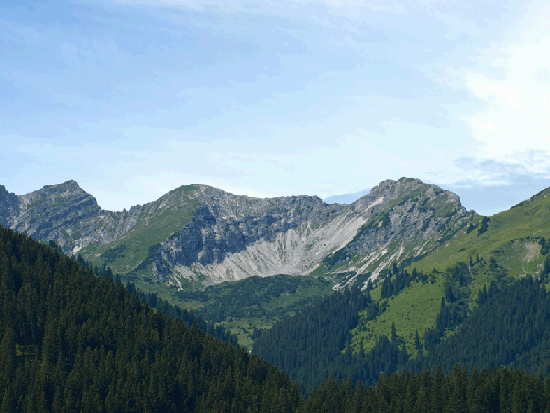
417	342
7	358
439	394
457	400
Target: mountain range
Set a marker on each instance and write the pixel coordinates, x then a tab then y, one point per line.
200	247
404	279
197	235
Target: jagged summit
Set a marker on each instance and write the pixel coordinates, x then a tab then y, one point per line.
393	189
70	184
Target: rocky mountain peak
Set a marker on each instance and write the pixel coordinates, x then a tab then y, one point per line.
227	206
48	194
53	210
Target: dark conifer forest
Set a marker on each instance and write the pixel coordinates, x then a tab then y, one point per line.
461	391
313	345
73	341
157	302
510	328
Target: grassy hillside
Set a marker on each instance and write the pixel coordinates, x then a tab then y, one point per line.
156	223
511	238
414	309
501	248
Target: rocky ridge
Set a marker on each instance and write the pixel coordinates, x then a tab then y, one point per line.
204	235
66	214
413	220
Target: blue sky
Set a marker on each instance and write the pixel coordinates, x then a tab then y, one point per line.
271	98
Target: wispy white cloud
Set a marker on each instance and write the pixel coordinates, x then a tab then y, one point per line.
512	80
527	166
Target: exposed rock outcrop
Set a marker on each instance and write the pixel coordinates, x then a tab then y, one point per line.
9	207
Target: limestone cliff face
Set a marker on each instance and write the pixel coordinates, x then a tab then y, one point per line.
53	209
207	235
233	237
225	225
421	213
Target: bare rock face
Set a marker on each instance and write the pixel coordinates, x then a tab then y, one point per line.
207	235
410	220
227	224
46	213
421	213
66	214
233	237
9	206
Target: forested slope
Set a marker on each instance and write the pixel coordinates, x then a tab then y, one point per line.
73	342
314	344
462	391
511	327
